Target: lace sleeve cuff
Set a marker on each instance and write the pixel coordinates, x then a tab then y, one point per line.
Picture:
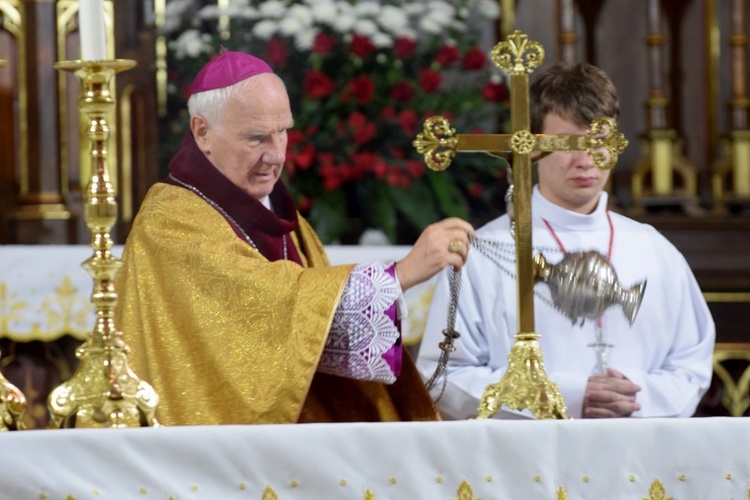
365	338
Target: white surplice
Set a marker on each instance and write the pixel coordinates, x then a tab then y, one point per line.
667	351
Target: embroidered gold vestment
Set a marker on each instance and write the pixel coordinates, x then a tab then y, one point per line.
227	337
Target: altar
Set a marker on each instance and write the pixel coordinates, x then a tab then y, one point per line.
467	460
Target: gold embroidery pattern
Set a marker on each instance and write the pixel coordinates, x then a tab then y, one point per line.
10	309
269	494
369	495
64	312
562	494
67	311
465	492
657	492
418	316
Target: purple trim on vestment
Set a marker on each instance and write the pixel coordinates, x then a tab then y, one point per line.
394	355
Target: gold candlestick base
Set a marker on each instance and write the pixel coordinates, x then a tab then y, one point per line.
525	384
12	406
103	392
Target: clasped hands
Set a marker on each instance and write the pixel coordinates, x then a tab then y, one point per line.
610	394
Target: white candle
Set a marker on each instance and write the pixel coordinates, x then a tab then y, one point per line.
91	29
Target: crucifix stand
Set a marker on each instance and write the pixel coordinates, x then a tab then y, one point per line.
525	384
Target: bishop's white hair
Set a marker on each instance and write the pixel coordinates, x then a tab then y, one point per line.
210	103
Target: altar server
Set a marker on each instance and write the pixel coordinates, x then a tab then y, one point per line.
226	296
660	366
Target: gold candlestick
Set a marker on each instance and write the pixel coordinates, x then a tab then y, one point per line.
12	400
103	392
12	406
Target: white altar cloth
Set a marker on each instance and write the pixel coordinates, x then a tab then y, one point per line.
45	293
464	460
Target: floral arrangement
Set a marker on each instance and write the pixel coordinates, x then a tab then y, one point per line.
362	77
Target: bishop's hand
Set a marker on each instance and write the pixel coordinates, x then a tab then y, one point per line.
445	243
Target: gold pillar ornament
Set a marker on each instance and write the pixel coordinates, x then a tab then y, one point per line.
103	392
662	160
525	384
2	62
734	160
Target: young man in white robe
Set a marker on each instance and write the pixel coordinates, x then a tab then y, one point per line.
660	366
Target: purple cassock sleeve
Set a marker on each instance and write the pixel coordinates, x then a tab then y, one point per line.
364	342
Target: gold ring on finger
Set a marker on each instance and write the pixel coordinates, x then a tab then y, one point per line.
455	246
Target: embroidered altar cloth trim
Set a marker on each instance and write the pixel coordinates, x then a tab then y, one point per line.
488	459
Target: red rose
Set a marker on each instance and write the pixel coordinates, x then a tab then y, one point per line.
294	136
363	89
446	55
331	183
187	91
415	168
304	204
303	158
429	80
476	190
495	92
361	46
404	47
408	121
323	43
387	112
276	50
380	169
402	91
318	85
474	59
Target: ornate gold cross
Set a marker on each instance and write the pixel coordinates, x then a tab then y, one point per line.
525	384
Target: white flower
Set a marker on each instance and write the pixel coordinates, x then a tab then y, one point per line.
190	44
365	27
173	12
324	12
248	13
305	39
300	12
265	29
344	23
381	40
488	9
393	19
367	8
496	77
273	9
210	13
289	26
414	9
406	32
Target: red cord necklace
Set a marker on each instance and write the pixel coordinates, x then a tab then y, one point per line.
611	235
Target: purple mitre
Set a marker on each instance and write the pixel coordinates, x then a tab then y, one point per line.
227	69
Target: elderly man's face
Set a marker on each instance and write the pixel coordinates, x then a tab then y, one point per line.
249	145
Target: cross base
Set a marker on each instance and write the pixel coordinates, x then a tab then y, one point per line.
525	384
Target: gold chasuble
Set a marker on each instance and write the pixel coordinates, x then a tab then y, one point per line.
226	336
